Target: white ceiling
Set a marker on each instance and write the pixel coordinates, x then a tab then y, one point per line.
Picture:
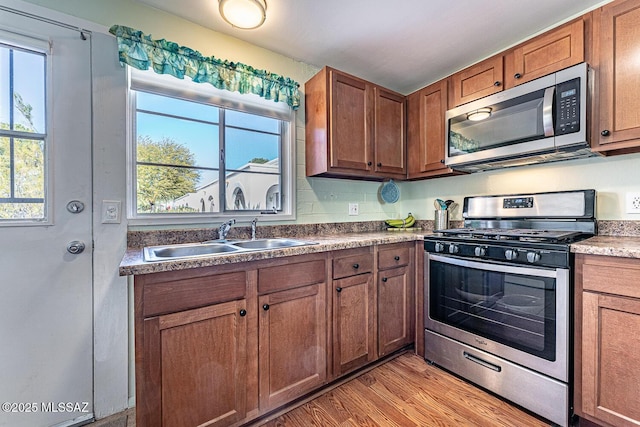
402	45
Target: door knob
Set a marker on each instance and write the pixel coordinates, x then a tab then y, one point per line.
75	247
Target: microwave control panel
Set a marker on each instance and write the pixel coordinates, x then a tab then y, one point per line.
568	107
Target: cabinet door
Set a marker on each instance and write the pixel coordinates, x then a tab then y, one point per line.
477	81
610	358
292	344
350	121
389	133
196	366
394	310
616	45
354	334
425	133
550	52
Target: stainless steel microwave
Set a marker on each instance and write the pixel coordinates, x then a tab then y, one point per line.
543	120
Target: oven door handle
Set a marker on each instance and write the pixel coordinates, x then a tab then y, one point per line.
481	362
500	268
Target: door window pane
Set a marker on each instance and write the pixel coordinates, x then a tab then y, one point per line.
22	134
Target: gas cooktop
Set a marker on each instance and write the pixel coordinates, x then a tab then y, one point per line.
521	234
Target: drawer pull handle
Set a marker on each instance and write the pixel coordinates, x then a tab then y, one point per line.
356	266
397	258
243	312
265	307
481	362
338	289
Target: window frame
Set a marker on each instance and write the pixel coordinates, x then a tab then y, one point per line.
165	85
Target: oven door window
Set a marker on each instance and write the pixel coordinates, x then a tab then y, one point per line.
512	309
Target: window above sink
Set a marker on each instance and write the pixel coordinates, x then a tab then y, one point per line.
198	154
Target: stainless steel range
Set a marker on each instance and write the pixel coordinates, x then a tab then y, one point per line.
498	296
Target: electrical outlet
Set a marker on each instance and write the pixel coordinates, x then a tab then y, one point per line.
633	203
353	209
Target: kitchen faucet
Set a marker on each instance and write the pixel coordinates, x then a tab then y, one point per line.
254	222
224	229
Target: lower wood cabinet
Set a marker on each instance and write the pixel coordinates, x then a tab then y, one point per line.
395	297
353	316
372	306
354	341
221	346
607	342
292	344
180	345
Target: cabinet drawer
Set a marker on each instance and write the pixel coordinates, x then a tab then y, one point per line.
291	275
396	256
612	275
184	294
345	266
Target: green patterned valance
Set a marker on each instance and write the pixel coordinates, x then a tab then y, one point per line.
164	57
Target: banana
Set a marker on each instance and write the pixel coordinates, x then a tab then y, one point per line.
401	223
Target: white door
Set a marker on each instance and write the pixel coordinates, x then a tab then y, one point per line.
45	162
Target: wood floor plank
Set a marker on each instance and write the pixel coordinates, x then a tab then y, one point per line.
405	392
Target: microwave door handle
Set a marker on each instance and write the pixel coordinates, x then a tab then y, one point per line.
547	111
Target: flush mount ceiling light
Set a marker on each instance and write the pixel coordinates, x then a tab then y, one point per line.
243	14
479	114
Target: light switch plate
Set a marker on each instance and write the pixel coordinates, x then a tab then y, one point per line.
111	211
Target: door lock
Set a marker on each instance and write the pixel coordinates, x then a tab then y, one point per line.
75	247
75	206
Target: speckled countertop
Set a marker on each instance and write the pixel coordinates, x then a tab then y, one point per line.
618	246
616	238
134	264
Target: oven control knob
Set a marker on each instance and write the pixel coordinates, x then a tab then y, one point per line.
511	254
439	247
533	257
480	251
453	249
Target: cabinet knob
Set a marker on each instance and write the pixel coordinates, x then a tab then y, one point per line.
338	289
442	161
243	312
517	75
379	164
397	258
369	163
265	307
496	84
605	132
384	279
356	266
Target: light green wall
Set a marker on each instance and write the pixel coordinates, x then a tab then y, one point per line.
326	200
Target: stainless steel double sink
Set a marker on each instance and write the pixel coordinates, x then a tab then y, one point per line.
217	247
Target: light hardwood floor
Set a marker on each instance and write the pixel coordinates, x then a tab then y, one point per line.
403	392
406	391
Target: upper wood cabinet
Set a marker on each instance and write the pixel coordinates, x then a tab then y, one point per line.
425	132
354	129
480	80
616	38
547	53
389	133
